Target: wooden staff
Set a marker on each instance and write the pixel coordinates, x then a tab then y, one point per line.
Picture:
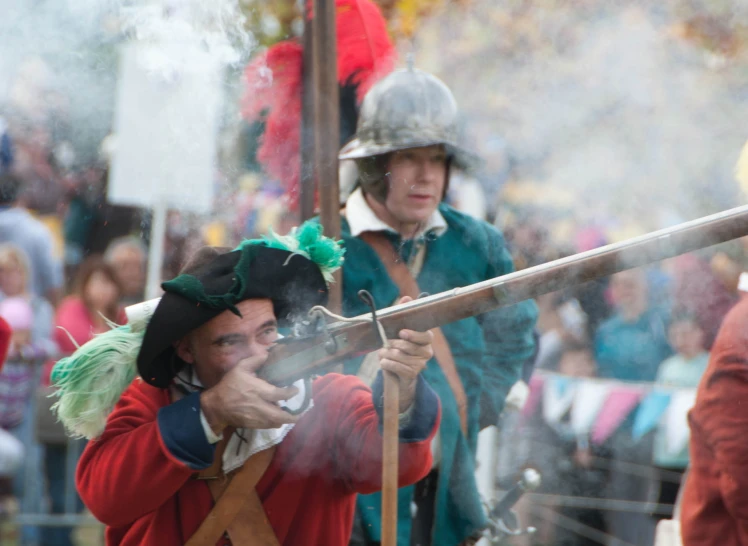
390	447
327	125
307	181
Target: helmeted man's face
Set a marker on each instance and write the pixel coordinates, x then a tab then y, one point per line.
416	180
220	344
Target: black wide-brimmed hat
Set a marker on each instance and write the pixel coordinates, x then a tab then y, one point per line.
292	271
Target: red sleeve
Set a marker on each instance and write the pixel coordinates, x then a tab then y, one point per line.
719	418
129	471
5	336
357	438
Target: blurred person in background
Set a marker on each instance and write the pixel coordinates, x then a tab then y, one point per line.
11	449
560	321
528	240
630	346
43	190
128	257
632	343
466	195
683	369
592	295
568	461
32	344
699	290
6	147
92	308
19	227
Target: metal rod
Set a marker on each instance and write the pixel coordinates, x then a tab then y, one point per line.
72	453
307	180
327	125
55	520
156	249
575	527
285	367
612	505
640	470
559	274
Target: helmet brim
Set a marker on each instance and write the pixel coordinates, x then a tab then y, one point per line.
461	158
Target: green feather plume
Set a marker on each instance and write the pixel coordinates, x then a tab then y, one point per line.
91	381
309	242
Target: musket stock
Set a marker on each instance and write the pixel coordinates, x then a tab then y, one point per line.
296	359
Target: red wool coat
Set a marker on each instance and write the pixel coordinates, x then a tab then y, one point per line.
715	499
137	478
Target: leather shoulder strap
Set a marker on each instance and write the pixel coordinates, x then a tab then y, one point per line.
216	469
408	286
238	509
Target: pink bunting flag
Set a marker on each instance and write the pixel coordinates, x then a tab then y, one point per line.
535	396
621	401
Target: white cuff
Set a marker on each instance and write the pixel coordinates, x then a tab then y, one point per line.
212	437
404	417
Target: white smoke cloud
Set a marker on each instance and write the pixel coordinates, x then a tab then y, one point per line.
601	100
59	58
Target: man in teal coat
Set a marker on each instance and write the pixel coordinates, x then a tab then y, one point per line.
405	145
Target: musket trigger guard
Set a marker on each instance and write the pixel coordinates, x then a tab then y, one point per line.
366	297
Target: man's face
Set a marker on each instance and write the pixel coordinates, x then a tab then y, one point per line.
219	345
416	183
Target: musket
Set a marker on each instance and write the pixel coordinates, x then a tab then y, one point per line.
296	358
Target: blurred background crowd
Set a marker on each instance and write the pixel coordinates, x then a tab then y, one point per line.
597	121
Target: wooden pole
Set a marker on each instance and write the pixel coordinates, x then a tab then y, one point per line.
307	181
390	448
326	145
327	125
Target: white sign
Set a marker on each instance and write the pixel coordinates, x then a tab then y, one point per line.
165	129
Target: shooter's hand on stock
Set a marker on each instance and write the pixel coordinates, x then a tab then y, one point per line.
406	357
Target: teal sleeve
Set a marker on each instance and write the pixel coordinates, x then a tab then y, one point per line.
508	335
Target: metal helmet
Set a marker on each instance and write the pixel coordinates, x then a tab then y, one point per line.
408	109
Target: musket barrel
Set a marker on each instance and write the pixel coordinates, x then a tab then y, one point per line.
566	272
295	361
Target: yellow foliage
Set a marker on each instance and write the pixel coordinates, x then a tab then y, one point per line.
405	16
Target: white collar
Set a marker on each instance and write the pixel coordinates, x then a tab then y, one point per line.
362	218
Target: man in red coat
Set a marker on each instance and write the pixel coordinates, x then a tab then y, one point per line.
715	499
198	389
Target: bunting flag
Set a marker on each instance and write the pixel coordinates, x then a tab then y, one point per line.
588	401
599	407
535	396
558	397
675	422
651	410
620	403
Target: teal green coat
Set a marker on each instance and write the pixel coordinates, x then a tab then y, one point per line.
489	351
